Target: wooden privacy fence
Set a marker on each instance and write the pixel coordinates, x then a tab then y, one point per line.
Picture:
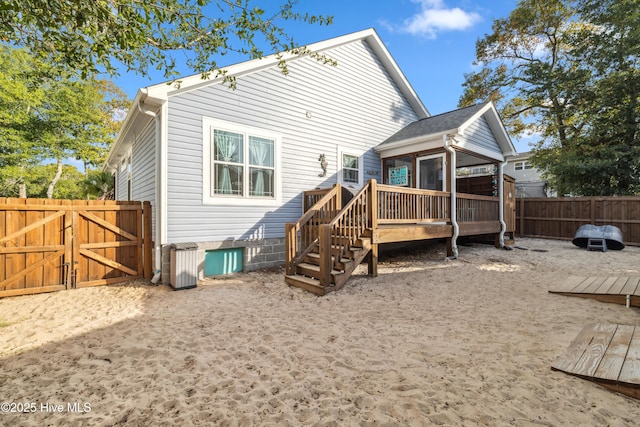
50	245
559	218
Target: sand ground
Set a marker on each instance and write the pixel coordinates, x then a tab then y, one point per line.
428	342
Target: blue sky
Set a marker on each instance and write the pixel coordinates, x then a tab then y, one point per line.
433	41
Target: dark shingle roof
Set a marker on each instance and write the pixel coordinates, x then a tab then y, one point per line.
435	124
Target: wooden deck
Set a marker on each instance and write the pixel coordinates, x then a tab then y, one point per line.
607	354
331	238
617	289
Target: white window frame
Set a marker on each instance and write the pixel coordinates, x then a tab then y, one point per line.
341	153
524	165
208	125
444	169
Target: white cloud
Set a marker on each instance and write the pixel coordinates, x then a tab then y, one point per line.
434	17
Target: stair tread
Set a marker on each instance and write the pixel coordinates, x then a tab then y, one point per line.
306	279
315	267
317	256
307	283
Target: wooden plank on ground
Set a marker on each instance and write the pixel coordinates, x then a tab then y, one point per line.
576	349
611	364
618	285
636	280
584	285
630	287
619	367
630	372
593	354
568	285
606	285
593	287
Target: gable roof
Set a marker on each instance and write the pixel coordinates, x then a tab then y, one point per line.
451	123
440	123
148	100
160	92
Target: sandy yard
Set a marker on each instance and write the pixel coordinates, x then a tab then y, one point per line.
428	342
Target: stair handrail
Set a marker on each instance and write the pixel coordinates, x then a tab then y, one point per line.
302	235
344	230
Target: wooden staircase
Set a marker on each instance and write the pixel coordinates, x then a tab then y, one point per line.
308	273
327	243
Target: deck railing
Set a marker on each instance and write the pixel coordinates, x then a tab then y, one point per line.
399	205
311	197
344	231
474	208
301	235
335	230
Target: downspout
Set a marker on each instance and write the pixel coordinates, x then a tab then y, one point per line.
503	225
454	205
159	215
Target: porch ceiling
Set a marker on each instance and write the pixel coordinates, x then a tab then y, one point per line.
465	160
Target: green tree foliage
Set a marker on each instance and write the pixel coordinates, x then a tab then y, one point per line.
604	159
101	35
98	184
19	94
568	71
48	117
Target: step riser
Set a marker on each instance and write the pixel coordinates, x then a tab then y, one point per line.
340	265
315	289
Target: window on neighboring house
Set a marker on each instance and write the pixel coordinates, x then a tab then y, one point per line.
244	164
522	165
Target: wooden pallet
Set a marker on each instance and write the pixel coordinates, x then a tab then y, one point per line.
616	289
607	354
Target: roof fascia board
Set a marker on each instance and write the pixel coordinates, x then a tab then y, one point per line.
496	125
396	73
160	92
129	120
469	147
415	140
163	90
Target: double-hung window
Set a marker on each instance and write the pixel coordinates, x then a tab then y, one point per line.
350	168
243	166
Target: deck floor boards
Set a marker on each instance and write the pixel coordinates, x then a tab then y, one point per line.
614	289
607	354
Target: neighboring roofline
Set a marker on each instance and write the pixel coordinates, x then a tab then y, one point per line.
160	92
520	156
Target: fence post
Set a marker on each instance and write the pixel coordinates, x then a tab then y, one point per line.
521	217
593	210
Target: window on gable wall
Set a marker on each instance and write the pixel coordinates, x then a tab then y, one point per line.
522	165
244	164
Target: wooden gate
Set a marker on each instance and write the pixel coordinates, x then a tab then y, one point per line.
50	245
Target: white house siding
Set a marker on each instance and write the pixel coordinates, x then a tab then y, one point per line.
353	107
121	182
143	172
479	135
